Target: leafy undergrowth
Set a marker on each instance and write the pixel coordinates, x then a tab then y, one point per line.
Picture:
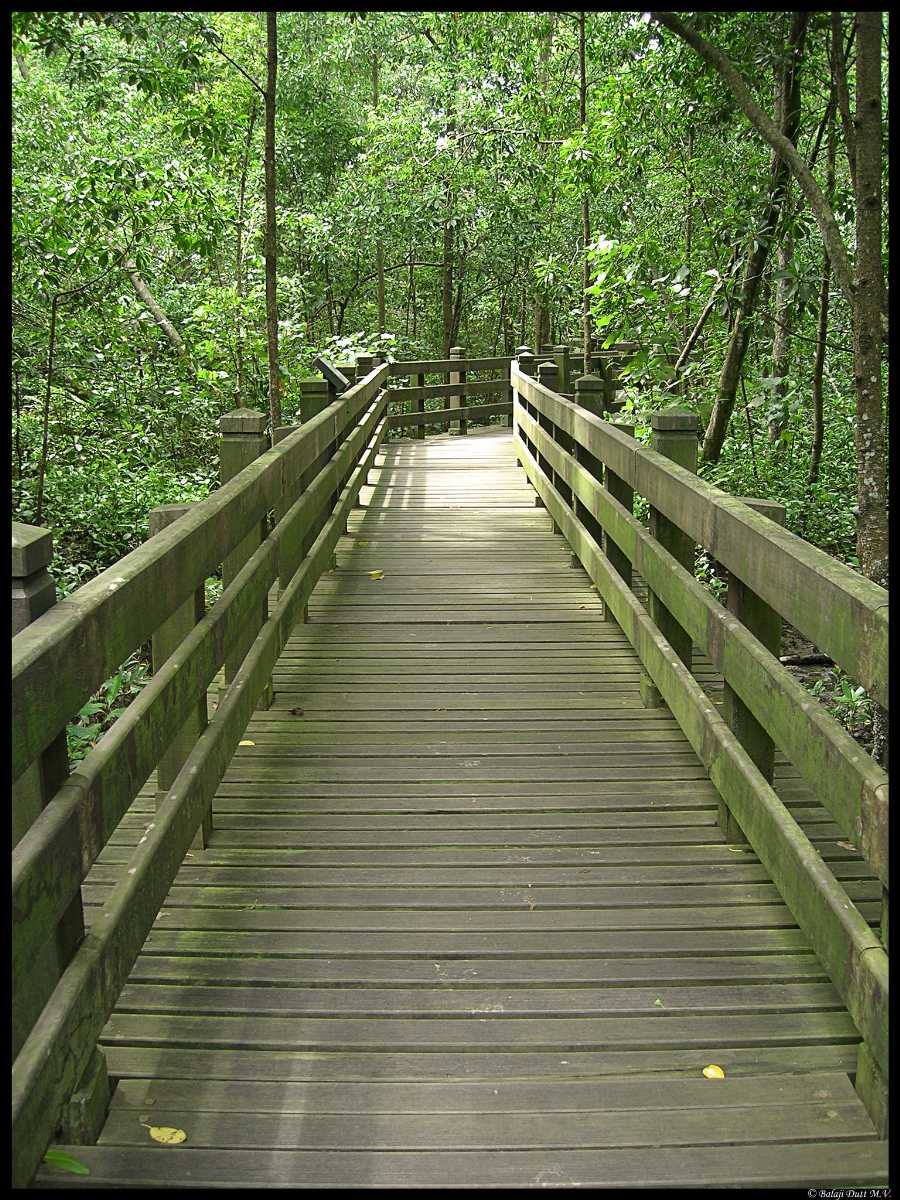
115	694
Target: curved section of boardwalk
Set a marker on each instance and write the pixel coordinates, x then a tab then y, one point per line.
467	917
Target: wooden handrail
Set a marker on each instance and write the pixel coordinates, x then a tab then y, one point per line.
848	948
62	657
61	1043
839	610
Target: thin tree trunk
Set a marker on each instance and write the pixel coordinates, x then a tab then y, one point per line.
23	68
239	262
45	436
271	225
839	75
818	408
783	146
447	285
757	255
872	544
18	437
688	247
781	337
147	299
585	207
379	248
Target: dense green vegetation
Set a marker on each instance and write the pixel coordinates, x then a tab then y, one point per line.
435	176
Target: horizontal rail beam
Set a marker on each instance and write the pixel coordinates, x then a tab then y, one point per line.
61	1043
840	611
61	658
852	955
844	777
439	366
469	387
442	416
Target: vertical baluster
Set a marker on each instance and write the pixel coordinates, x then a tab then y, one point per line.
458	425
243	440
675	436
765	625
164	643
589	396
548	375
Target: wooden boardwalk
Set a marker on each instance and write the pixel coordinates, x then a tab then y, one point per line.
467	917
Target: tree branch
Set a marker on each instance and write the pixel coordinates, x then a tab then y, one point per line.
821	210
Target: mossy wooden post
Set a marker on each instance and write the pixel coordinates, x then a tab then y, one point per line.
674	434
459	425
589	396
163	644
281	432
548	375
243	439
418	431
624	493
765	625
526	364
33	593
564	380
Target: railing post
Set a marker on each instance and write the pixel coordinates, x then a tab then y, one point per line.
675	436
459	426
548	375
561	356
243	439
365	363
765	625
525	363
589	396
164	642
624	493
33	593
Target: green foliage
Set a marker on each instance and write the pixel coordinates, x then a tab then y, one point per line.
106	706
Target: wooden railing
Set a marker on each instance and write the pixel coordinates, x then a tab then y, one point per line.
585	471
65	983
464	395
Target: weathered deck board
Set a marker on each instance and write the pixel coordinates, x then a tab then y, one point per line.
467	917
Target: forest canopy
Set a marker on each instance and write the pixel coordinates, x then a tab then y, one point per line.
707	190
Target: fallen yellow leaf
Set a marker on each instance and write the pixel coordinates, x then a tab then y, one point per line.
376	574
713	1072
246	742
166	1134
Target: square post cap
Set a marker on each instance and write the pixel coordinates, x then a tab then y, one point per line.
243	420
674	420
32	549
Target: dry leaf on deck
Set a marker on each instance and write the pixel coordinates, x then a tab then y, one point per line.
166	1134
246	742
713	1072
376	574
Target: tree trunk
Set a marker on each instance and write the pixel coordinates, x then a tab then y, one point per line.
447	288
818	408
379	248
821	210
239	262
757	255
147	299
872	543
585	207
271	254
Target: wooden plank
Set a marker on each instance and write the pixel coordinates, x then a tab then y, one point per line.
822	1164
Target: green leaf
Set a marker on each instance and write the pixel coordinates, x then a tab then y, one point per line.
65	1162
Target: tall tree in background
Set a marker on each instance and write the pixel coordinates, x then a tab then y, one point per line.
585	205
788	107
271	225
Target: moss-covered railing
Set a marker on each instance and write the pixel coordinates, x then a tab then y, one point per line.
464	382
585	471
277	519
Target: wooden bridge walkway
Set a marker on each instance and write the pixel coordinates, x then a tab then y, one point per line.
466	916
